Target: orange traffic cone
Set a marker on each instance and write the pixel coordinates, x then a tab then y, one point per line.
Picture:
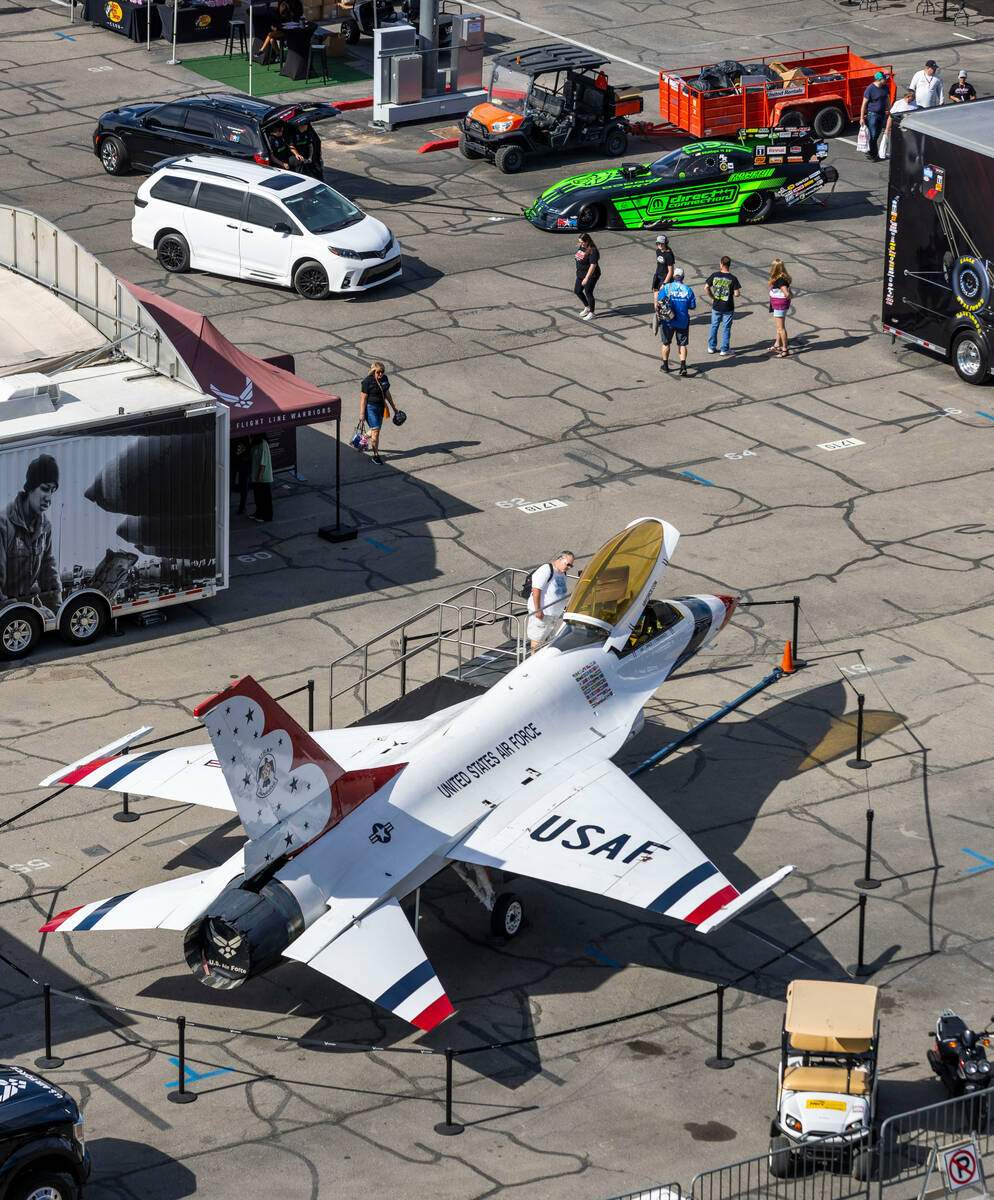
787	662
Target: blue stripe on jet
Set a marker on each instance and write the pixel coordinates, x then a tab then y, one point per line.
407	986
131	763
682	886
102	911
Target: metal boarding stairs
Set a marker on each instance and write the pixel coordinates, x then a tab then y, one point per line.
474	636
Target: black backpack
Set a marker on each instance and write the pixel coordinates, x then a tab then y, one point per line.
526	587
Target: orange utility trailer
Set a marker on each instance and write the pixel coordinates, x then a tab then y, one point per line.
822	89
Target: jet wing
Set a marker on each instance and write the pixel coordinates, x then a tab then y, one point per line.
601	833
173	904
380	957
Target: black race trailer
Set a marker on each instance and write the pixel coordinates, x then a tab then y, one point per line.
938	274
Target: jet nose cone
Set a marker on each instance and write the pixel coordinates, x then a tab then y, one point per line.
730	603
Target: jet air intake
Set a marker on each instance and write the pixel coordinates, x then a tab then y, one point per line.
242	934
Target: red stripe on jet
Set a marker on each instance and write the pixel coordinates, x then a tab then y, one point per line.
434	1014
51	926
86	769
711	905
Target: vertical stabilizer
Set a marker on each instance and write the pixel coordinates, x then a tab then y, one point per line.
286	789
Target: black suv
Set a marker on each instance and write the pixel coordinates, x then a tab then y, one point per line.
42	1152
142	135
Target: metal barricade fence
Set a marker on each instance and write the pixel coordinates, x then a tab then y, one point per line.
656	1191
750	1179
910	1140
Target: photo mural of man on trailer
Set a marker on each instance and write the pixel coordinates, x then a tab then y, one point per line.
131	513
28	570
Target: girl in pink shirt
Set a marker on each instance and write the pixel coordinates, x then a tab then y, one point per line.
780	300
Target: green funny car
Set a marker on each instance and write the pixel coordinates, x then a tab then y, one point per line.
703	183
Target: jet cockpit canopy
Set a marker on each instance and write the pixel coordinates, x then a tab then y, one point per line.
617	583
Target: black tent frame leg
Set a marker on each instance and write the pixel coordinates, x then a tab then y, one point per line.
335	533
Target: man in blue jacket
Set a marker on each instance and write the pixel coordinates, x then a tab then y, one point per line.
680	299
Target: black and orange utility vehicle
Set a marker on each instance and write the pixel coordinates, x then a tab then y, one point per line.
545	99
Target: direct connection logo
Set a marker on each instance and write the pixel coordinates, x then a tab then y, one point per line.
705	198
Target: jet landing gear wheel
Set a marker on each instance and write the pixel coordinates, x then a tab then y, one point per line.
507	916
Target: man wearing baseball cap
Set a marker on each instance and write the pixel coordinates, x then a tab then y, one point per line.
665	261
927	85
962	92
27	563
873	114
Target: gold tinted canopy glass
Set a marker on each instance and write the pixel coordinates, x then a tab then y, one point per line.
617	574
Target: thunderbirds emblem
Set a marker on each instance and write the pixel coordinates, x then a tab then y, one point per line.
265	776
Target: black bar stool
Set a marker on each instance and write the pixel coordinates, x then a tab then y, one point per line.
235	28
317	55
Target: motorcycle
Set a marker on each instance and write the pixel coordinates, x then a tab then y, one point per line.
959	1056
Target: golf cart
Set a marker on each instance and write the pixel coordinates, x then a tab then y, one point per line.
553	97
827	1083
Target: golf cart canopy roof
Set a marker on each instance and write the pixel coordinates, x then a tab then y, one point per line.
553	57
834	1018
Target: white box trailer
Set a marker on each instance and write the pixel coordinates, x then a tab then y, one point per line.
113	500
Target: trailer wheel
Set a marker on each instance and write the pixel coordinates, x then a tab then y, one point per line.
173	253
82	620
589	217
616	142
970	357
755	208
466	150
351	31
20	631
829	122
791	118
781	1158
507	916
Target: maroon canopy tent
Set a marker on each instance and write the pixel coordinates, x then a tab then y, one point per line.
260	396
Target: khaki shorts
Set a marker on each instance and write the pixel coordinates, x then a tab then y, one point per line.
539	630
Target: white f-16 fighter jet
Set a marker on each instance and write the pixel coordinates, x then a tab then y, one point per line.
342	825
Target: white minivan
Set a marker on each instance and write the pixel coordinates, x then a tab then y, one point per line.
254	222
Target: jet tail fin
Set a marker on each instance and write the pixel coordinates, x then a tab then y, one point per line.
287	790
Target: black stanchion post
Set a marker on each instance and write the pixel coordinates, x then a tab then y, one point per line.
49	1061
860	948
866	883
448	1127
125	813
796	601
719	1062
403	664
945	14
181	1095
310	705
859	763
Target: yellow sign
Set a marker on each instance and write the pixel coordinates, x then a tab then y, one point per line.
839	1104
203	21
114	13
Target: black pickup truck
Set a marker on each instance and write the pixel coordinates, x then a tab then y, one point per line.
42	1152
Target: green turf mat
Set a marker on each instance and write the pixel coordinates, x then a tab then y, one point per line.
267	81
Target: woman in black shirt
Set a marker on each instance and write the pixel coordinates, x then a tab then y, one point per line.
588	271
375	403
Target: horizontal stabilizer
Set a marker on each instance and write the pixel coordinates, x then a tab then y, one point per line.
380	957
77	772
749	896
173	904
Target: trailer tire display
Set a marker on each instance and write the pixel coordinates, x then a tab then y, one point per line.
971	285
19	633
82	621
971	357
830	121
791	118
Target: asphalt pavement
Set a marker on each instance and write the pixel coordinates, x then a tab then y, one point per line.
846	474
